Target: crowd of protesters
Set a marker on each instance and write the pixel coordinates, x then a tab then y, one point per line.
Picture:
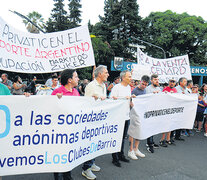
123	87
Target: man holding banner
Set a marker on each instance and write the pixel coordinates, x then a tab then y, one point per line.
153	88
69	80
122	90
139	90
181	88
171	89
96	89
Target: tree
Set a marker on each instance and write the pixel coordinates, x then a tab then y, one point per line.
102	53
37	19
59	20
177	34
75	13
120	23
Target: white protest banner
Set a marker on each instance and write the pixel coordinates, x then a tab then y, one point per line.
44	53
175	67
139	70
47	134
158	113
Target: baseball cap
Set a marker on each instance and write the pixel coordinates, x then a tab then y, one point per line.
172	79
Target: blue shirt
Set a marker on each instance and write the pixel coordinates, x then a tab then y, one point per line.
200	108
137	91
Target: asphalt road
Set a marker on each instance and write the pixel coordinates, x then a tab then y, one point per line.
185	161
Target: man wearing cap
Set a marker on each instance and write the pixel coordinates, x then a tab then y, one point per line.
171	89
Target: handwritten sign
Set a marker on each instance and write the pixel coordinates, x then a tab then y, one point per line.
175	67
44	53
139	71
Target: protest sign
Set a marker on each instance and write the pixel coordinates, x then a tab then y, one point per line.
139	70
158	113
44	53
47	134
175	67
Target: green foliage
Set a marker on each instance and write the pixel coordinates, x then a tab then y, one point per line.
75	13
37	19
85	73
178	34
120	22
58	20
102	51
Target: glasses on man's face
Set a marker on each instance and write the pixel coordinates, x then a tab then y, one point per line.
172	81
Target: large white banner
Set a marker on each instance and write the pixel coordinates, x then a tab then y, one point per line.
47	134
158	113
175	67
44	53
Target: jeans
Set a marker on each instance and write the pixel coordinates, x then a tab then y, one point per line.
150	141
63	176
177	133
172	134
88	164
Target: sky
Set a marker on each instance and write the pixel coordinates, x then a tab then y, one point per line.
91	9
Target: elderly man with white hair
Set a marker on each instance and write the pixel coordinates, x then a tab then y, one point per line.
122	91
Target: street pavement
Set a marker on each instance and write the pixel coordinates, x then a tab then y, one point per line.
185	161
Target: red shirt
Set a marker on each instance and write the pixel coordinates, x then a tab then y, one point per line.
168	89
65	92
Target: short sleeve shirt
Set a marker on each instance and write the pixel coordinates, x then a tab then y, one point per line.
168	89
95	89
151	89
137	91
65	92
120	91
8	83
181	90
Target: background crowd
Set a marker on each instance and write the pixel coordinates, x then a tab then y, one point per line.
67	83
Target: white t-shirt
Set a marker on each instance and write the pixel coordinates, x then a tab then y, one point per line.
120	91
